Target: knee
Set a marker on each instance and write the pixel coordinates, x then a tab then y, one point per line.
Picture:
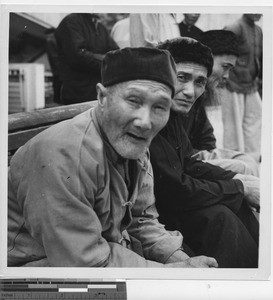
221	215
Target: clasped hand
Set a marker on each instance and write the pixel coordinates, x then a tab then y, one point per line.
251	190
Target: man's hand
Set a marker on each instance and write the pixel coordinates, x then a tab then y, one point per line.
251	190
195	262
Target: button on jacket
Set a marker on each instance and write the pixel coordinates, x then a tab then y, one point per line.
69	204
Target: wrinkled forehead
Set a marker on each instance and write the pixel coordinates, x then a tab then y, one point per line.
192	68
141	86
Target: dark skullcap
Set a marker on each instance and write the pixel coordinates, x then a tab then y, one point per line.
184	49
220	42
138	63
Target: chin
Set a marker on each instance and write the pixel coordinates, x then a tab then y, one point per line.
131	152
180	109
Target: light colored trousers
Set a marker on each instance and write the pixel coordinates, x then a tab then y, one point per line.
242	120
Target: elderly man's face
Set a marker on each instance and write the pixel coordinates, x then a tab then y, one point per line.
222	64
133	113
190	85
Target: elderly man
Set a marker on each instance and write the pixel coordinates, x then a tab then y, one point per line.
224	47
209	205
81	192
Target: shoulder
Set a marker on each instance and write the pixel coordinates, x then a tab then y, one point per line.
69	140
71	18
235	27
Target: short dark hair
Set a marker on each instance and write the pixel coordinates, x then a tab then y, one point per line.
184	49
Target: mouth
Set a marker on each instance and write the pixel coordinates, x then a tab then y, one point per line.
137	137
183	101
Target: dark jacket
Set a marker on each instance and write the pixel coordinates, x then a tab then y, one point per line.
189	31
82	42
183	183
199	128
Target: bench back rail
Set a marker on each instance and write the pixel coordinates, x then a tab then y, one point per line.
25	125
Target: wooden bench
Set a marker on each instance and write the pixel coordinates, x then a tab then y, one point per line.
25	125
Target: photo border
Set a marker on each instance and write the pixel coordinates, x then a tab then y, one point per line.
263	273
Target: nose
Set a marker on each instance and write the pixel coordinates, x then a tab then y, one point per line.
188	89
225	75
143	118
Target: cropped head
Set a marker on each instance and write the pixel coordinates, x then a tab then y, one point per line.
194	64
191	19
252	18
224	47
135	97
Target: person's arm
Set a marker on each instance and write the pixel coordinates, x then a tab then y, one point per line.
194	185
201	136
234	27
71	37
144	30
251	190
158	244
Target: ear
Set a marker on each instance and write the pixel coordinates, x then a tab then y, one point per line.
101	94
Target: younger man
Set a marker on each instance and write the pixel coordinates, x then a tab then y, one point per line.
209	205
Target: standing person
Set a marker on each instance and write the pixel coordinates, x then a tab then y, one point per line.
52	54
209	205
187	26
242	108
121	33
82	42
81	192
149	29
224	47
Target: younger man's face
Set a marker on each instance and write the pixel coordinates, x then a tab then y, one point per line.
190	85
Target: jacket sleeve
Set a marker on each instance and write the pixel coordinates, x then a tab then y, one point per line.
234	27
60	216
192	186
202	137
143	30
71	38
157	243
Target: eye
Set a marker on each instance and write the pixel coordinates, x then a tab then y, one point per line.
161	108
134	101
227	67
201	82
182	78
